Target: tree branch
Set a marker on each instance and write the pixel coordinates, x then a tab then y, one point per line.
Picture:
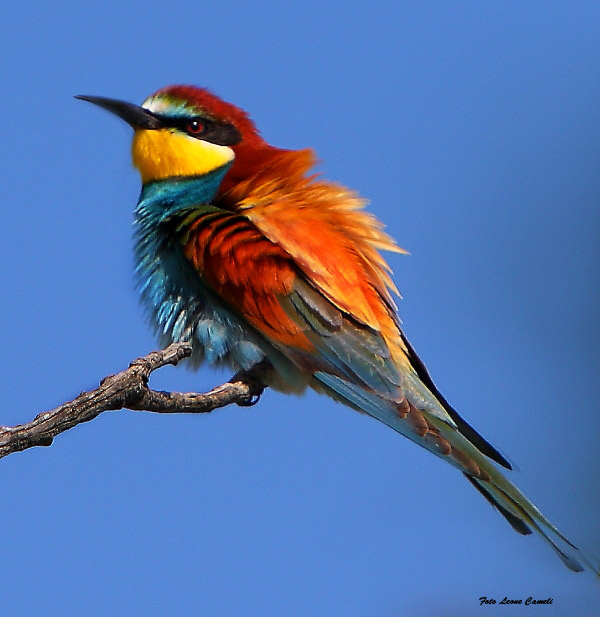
129	390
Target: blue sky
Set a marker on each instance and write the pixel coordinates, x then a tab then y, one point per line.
474	129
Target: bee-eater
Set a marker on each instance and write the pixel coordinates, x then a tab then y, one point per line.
244	252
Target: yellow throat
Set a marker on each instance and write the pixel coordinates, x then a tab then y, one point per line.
165	153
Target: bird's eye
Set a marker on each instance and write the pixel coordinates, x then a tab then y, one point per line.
195	127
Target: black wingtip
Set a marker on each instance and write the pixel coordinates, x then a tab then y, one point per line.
514	521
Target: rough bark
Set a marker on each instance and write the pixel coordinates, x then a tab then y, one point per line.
129	390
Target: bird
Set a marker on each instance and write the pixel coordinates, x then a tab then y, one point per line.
246	253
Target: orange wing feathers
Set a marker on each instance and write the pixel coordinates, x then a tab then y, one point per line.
322	226
281	224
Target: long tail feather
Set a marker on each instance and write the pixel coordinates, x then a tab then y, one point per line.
524	517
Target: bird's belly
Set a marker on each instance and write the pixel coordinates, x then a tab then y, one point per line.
217	337
220	338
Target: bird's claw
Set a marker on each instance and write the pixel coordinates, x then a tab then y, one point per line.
252	399
254	378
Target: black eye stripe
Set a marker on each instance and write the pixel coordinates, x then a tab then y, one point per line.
221	134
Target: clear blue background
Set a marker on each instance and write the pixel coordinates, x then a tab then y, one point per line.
474	129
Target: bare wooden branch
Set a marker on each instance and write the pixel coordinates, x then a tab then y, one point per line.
129	390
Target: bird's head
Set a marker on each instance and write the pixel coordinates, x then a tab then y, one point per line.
184	131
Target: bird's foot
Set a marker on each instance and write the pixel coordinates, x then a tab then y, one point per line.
254	378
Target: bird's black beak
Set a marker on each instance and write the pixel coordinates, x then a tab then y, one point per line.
134	115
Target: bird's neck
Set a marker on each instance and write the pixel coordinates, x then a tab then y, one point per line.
164	199
255	165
